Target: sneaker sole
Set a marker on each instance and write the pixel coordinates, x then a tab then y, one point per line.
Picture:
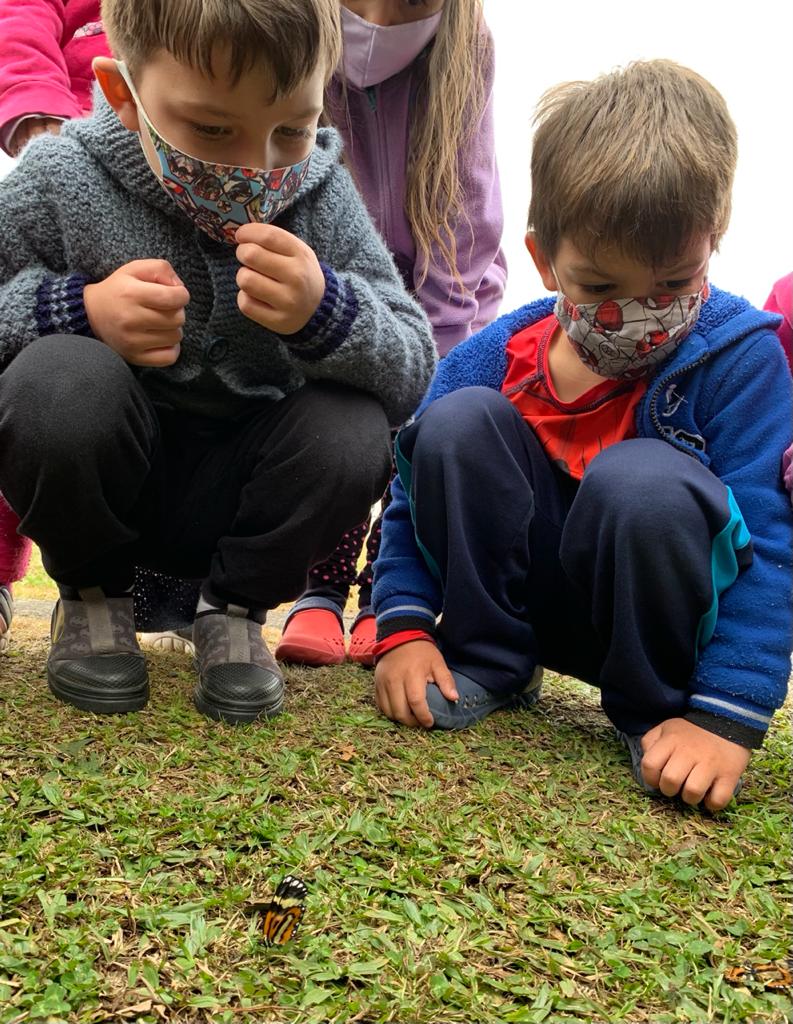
235	714
101	702
297	654
365	658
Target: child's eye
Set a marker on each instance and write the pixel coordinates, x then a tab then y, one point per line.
210	131
596	289
673	286
296	133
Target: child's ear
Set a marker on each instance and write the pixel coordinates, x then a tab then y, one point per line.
116	91
541	262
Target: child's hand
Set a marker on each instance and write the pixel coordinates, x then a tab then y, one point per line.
400	682
139	312
281	282
680	757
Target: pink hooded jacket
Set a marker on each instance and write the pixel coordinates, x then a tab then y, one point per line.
46	49
781	301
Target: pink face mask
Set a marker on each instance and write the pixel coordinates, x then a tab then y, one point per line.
373	53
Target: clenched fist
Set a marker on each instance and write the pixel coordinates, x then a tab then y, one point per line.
281	282
682	758
139	312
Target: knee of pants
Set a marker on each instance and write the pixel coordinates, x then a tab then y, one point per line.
456	426
350	435
647	487
64	392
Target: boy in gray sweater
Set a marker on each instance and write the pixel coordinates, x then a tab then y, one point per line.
201	359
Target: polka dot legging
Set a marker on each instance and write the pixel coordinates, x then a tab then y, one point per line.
334	577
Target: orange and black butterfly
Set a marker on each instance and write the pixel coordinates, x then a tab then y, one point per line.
774	977
284	912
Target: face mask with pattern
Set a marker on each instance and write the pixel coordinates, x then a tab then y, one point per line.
218	198
626	338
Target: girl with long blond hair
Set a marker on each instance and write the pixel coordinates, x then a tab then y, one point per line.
413	102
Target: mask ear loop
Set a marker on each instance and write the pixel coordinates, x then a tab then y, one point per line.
559	290
124	72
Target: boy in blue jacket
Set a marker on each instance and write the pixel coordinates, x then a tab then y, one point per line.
594	484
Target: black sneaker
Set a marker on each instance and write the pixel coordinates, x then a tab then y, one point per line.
238	678
95	662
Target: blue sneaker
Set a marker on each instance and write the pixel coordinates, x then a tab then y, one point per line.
633	744
476	702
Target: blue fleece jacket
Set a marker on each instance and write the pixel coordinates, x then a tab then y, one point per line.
724	398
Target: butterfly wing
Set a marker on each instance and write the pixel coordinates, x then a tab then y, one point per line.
283	914
776	977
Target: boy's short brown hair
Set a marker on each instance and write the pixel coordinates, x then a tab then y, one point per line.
290	38
640	160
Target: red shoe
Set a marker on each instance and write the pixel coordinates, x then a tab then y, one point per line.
362	640
313	636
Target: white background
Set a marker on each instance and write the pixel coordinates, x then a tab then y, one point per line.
745	50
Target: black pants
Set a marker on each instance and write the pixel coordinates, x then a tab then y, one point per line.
103	481
608	580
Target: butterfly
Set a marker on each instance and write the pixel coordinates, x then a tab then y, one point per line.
774	977
284	912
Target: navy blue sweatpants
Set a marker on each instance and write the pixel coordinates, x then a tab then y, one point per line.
608	580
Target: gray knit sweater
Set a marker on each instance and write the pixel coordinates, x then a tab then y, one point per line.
80	205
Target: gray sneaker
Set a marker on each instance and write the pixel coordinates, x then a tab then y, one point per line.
6	615
95	662
238	678
476	702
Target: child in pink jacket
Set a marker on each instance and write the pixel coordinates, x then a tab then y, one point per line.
781	301
46	49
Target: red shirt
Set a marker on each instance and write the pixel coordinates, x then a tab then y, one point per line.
572	433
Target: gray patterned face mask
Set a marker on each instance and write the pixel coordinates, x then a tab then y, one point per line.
625	338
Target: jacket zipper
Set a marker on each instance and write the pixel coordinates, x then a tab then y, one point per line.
659	386
382	157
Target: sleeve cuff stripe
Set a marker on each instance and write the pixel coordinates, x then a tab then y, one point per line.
734	710
406	609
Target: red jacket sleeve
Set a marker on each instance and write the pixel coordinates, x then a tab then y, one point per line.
34	77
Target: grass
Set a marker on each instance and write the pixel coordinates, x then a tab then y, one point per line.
36	584
513	873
